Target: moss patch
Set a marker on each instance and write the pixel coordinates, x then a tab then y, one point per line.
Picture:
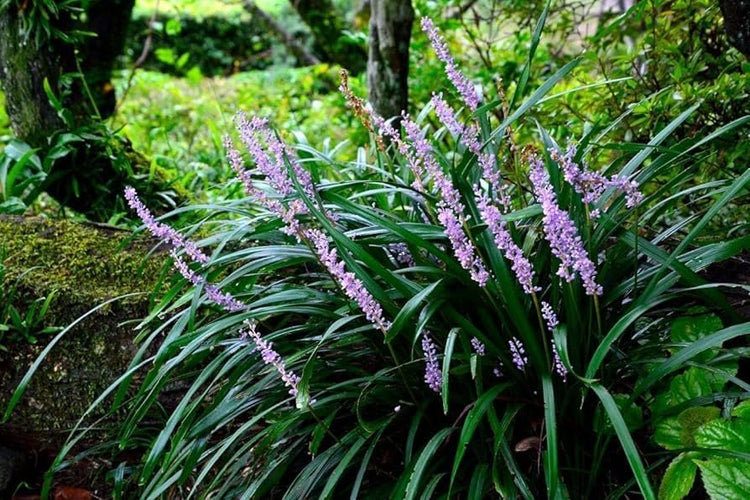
86	265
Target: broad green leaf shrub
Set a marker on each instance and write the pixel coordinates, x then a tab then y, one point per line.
710	438
721	448
449	313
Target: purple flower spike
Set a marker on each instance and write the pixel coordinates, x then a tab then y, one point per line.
491	214
521	266
213	292
470	139
462	84
169	235
450	208
518	353
549	316
350	284
591	185
271	357
462	247
447	116
163	231
561	233
433	376
478	346
401	254
559	367
253	133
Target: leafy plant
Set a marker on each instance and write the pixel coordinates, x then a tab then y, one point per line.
20	326
24	175
712	439
21	175
39	18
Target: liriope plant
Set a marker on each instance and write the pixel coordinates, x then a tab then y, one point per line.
458	316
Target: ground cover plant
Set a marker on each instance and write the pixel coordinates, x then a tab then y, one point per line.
452	313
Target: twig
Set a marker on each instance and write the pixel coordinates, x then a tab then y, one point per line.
142	58
303	55
458	12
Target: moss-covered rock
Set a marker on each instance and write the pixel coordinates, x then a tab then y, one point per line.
84	265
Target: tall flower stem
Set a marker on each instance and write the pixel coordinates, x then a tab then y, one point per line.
635	249
304	237
401	373
598	314
322	424
589	223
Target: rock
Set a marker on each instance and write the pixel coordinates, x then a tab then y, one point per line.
84	265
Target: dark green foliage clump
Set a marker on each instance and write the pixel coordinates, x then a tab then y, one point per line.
217	45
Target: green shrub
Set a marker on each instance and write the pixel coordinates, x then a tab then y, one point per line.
433	259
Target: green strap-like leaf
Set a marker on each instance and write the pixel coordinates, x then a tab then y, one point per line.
423	461
473	419
626	440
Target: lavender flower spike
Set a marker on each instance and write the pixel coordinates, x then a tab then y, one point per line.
450	208
163	231
549	316
273	166
462	84
478	346
518	353
350	284
271	357
559	367
591	185
470	139
521	266
561	233
169	235
213	292
433	376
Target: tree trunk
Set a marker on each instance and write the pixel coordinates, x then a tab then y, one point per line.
388	63
109	19
24	66
328	33
737	23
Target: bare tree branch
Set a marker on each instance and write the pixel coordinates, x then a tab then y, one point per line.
458	12
302	55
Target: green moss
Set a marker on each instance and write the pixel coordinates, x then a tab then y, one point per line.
86	265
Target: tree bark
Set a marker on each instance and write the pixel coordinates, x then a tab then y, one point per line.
737	23
388	63
109	19
328	33
24	66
